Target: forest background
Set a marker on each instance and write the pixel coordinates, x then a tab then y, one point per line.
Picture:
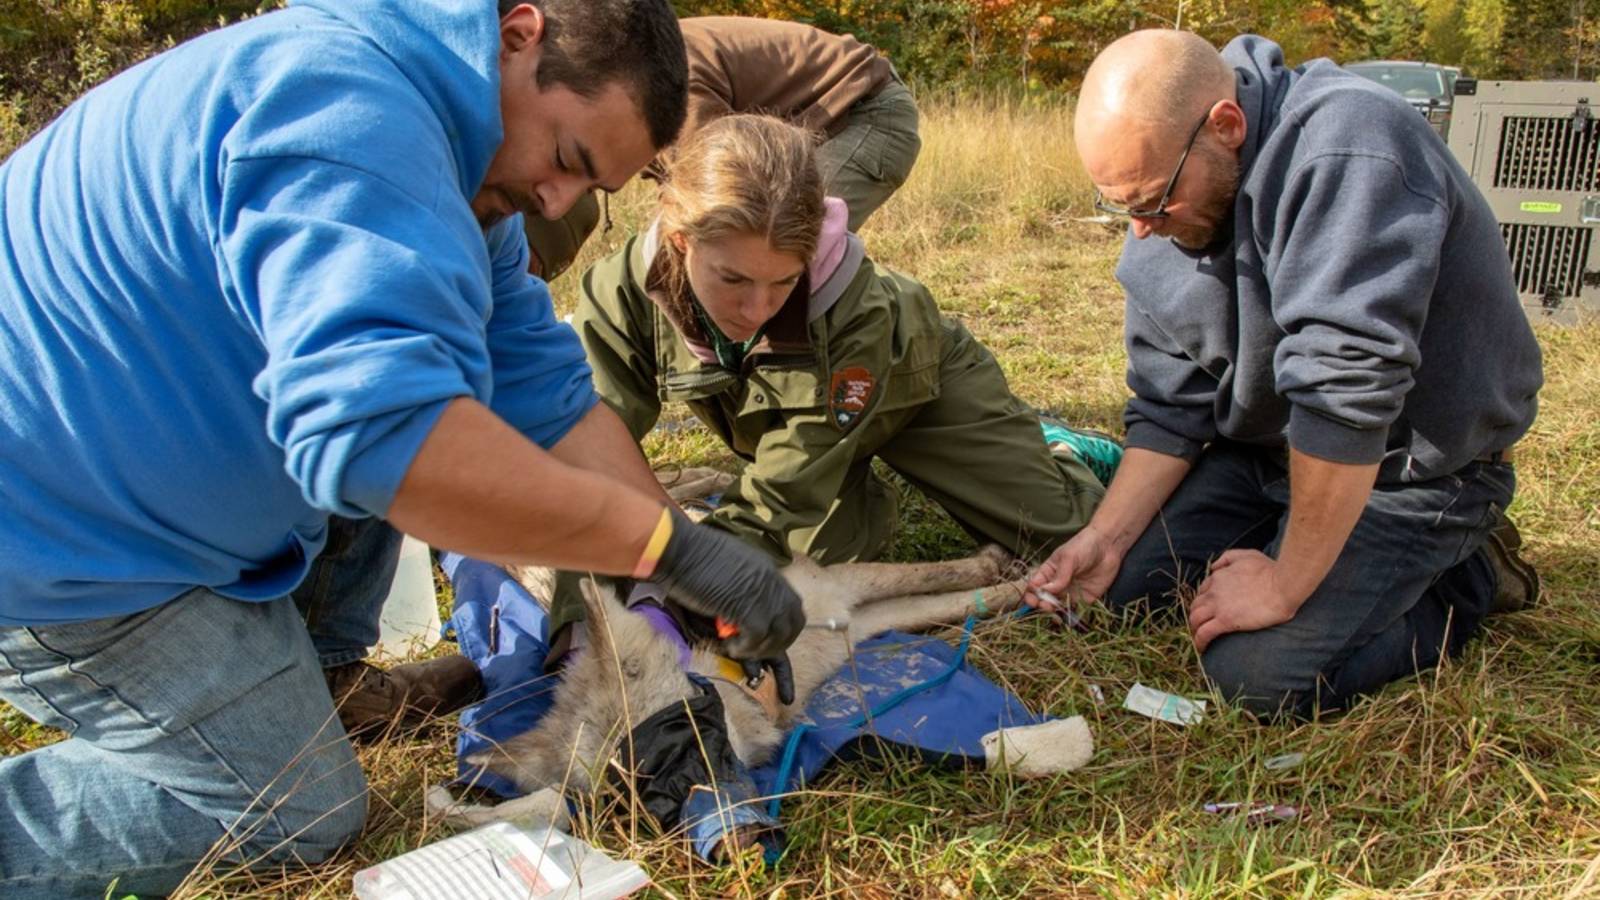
52	50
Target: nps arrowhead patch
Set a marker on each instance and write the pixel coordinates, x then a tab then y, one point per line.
849	394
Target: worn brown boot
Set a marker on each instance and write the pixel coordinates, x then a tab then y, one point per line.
1516	581
373	701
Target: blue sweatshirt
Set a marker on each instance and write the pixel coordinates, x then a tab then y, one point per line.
1360	305
238	284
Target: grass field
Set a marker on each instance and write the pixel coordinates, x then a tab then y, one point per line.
1481	778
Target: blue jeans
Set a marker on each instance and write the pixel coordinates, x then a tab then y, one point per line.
201	734
1410	586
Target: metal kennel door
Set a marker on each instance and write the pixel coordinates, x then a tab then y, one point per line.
1533	149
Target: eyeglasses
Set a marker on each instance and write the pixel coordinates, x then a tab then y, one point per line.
1160	210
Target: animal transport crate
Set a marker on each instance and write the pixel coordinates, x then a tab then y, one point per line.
1533	149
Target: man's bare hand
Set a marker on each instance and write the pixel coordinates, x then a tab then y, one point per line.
1079	572
1243	592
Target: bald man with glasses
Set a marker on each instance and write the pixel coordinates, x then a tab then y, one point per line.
1329	367
1158	210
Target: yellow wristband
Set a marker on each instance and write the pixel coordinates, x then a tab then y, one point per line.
646	566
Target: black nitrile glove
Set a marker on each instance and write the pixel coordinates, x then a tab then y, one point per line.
781	671
715	574
703	629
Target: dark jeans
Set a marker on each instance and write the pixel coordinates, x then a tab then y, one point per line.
1410	585
342	596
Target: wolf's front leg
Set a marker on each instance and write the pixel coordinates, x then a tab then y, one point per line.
876	582
920	612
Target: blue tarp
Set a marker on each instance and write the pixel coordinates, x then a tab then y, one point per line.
944	722
504	631
501	628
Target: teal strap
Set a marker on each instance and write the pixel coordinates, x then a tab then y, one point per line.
791	747
780	784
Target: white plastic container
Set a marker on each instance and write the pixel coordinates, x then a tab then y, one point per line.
410	620
502	861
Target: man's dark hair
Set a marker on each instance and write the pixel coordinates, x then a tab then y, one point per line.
589	44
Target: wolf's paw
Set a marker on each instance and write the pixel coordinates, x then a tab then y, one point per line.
1004	565
540	808
694	483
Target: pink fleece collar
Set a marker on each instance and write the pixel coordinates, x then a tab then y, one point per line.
831	243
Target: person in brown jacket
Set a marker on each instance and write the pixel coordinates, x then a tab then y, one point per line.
833	85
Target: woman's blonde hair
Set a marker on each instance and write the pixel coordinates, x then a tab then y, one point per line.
738	175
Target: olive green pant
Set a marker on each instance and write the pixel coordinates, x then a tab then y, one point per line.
978	452
554	243
862	165
872	155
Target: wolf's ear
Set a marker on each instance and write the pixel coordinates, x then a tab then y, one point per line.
598	597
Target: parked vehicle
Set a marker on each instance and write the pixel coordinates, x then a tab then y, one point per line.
1427	86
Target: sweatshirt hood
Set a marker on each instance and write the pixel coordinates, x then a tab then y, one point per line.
832	244
450	51
1263	83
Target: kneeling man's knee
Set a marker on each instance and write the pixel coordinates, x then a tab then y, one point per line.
340	823
1250	672
320	807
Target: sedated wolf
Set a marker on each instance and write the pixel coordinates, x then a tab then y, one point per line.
628	670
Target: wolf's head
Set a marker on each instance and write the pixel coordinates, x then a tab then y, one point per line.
626	672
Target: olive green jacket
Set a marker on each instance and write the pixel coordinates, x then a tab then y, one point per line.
813	398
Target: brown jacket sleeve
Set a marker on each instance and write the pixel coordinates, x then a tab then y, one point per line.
793	71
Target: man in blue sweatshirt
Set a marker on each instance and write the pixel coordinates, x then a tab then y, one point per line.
274	275
1329	367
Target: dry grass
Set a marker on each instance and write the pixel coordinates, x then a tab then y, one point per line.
1482	778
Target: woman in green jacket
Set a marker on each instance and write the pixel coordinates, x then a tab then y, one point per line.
749	301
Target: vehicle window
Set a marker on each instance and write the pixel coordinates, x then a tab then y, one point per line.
1411	83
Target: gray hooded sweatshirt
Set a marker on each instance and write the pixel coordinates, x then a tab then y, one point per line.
1358	306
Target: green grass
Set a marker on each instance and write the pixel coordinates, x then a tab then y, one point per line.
1480	778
